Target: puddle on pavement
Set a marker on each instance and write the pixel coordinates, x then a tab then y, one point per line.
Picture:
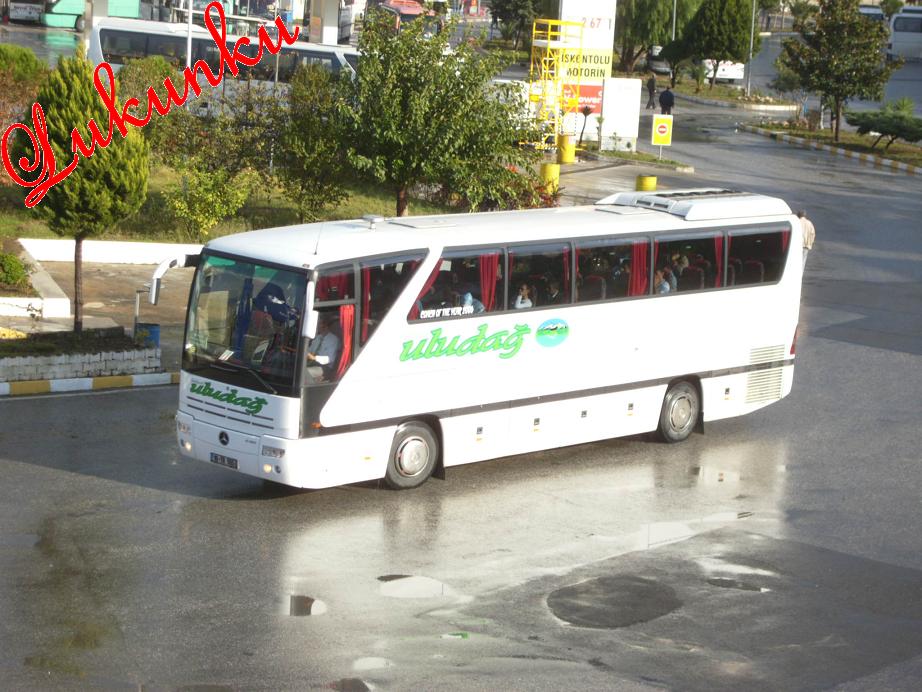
19	540
613	602
736	584
371	663
348	685
301	606
409	586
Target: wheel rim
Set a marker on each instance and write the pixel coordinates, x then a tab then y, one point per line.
412	456
680	413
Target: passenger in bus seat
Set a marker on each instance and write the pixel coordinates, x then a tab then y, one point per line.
523	299
623	279
553	296
660	285
671	279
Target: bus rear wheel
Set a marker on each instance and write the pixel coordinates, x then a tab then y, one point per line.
414	454
681	408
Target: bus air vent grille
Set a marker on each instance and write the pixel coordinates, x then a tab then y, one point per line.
763	385
766	354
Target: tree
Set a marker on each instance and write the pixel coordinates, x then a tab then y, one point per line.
420	113
720	31
104	188
21	74
894	120
163	133
677	53
890	7
312	164
788	82
840	57
519	15
642	24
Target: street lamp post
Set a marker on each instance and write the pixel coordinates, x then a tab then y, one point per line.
752	38
673	18
189	37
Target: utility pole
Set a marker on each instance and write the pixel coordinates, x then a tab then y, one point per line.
752	38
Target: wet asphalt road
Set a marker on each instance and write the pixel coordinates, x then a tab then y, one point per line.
777	551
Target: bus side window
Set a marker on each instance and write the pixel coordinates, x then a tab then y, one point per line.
324	60
755	258
382	283
692	264
464	283
544	270
172	48
603	270
121	46
204	49
288	63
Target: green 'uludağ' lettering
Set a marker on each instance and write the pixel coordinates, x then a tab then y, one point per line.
436	345
252	405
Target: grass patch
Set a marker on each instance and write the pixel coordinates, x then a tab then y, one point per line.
63	343
898	151
154	223
640	157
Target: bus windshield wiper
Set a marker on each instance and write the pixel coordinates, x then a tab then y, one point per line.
232	367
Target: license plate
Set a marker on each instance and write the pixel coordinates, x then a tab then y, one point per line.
223	460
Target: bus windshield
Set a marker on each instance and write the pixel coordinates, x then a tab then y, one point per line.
244	324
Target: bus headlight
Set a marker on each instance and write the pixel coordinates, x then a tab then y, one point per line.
182	427
273	452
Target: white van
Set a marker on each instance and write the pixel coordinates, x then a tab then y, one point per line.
906	34
727	71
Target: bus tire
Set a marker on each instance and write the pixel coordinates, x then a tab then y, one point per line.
414	455
79	25
679	416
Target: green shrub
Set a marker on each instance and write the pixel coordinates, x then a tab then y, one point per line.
22	63
12	271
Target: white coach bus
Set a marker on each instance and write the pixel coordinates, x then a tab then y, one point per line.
331	353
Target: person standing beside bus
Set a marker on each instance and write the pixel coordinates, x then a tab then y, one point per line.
809	232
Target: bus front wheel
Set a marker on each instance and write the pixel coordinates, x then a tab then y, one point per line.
681	408
414	454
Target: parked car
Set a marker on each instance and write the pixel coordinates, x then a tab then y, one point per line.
655	62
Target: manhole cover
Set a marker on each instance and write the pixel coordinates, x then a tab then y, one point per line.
612	602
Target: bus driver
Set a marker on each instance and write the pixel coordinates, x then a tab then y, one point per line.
323	348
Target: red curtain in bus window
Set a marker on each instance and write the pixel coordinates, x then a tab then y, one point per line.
366	301
640	272
430	282
489	269
566	272
785	241
346	323
719	254
333	286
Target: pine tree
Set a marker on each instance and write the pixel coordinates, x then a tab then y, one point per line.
105	188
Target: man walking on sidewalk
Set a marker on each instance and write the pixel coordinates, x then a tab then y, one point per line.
651	92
